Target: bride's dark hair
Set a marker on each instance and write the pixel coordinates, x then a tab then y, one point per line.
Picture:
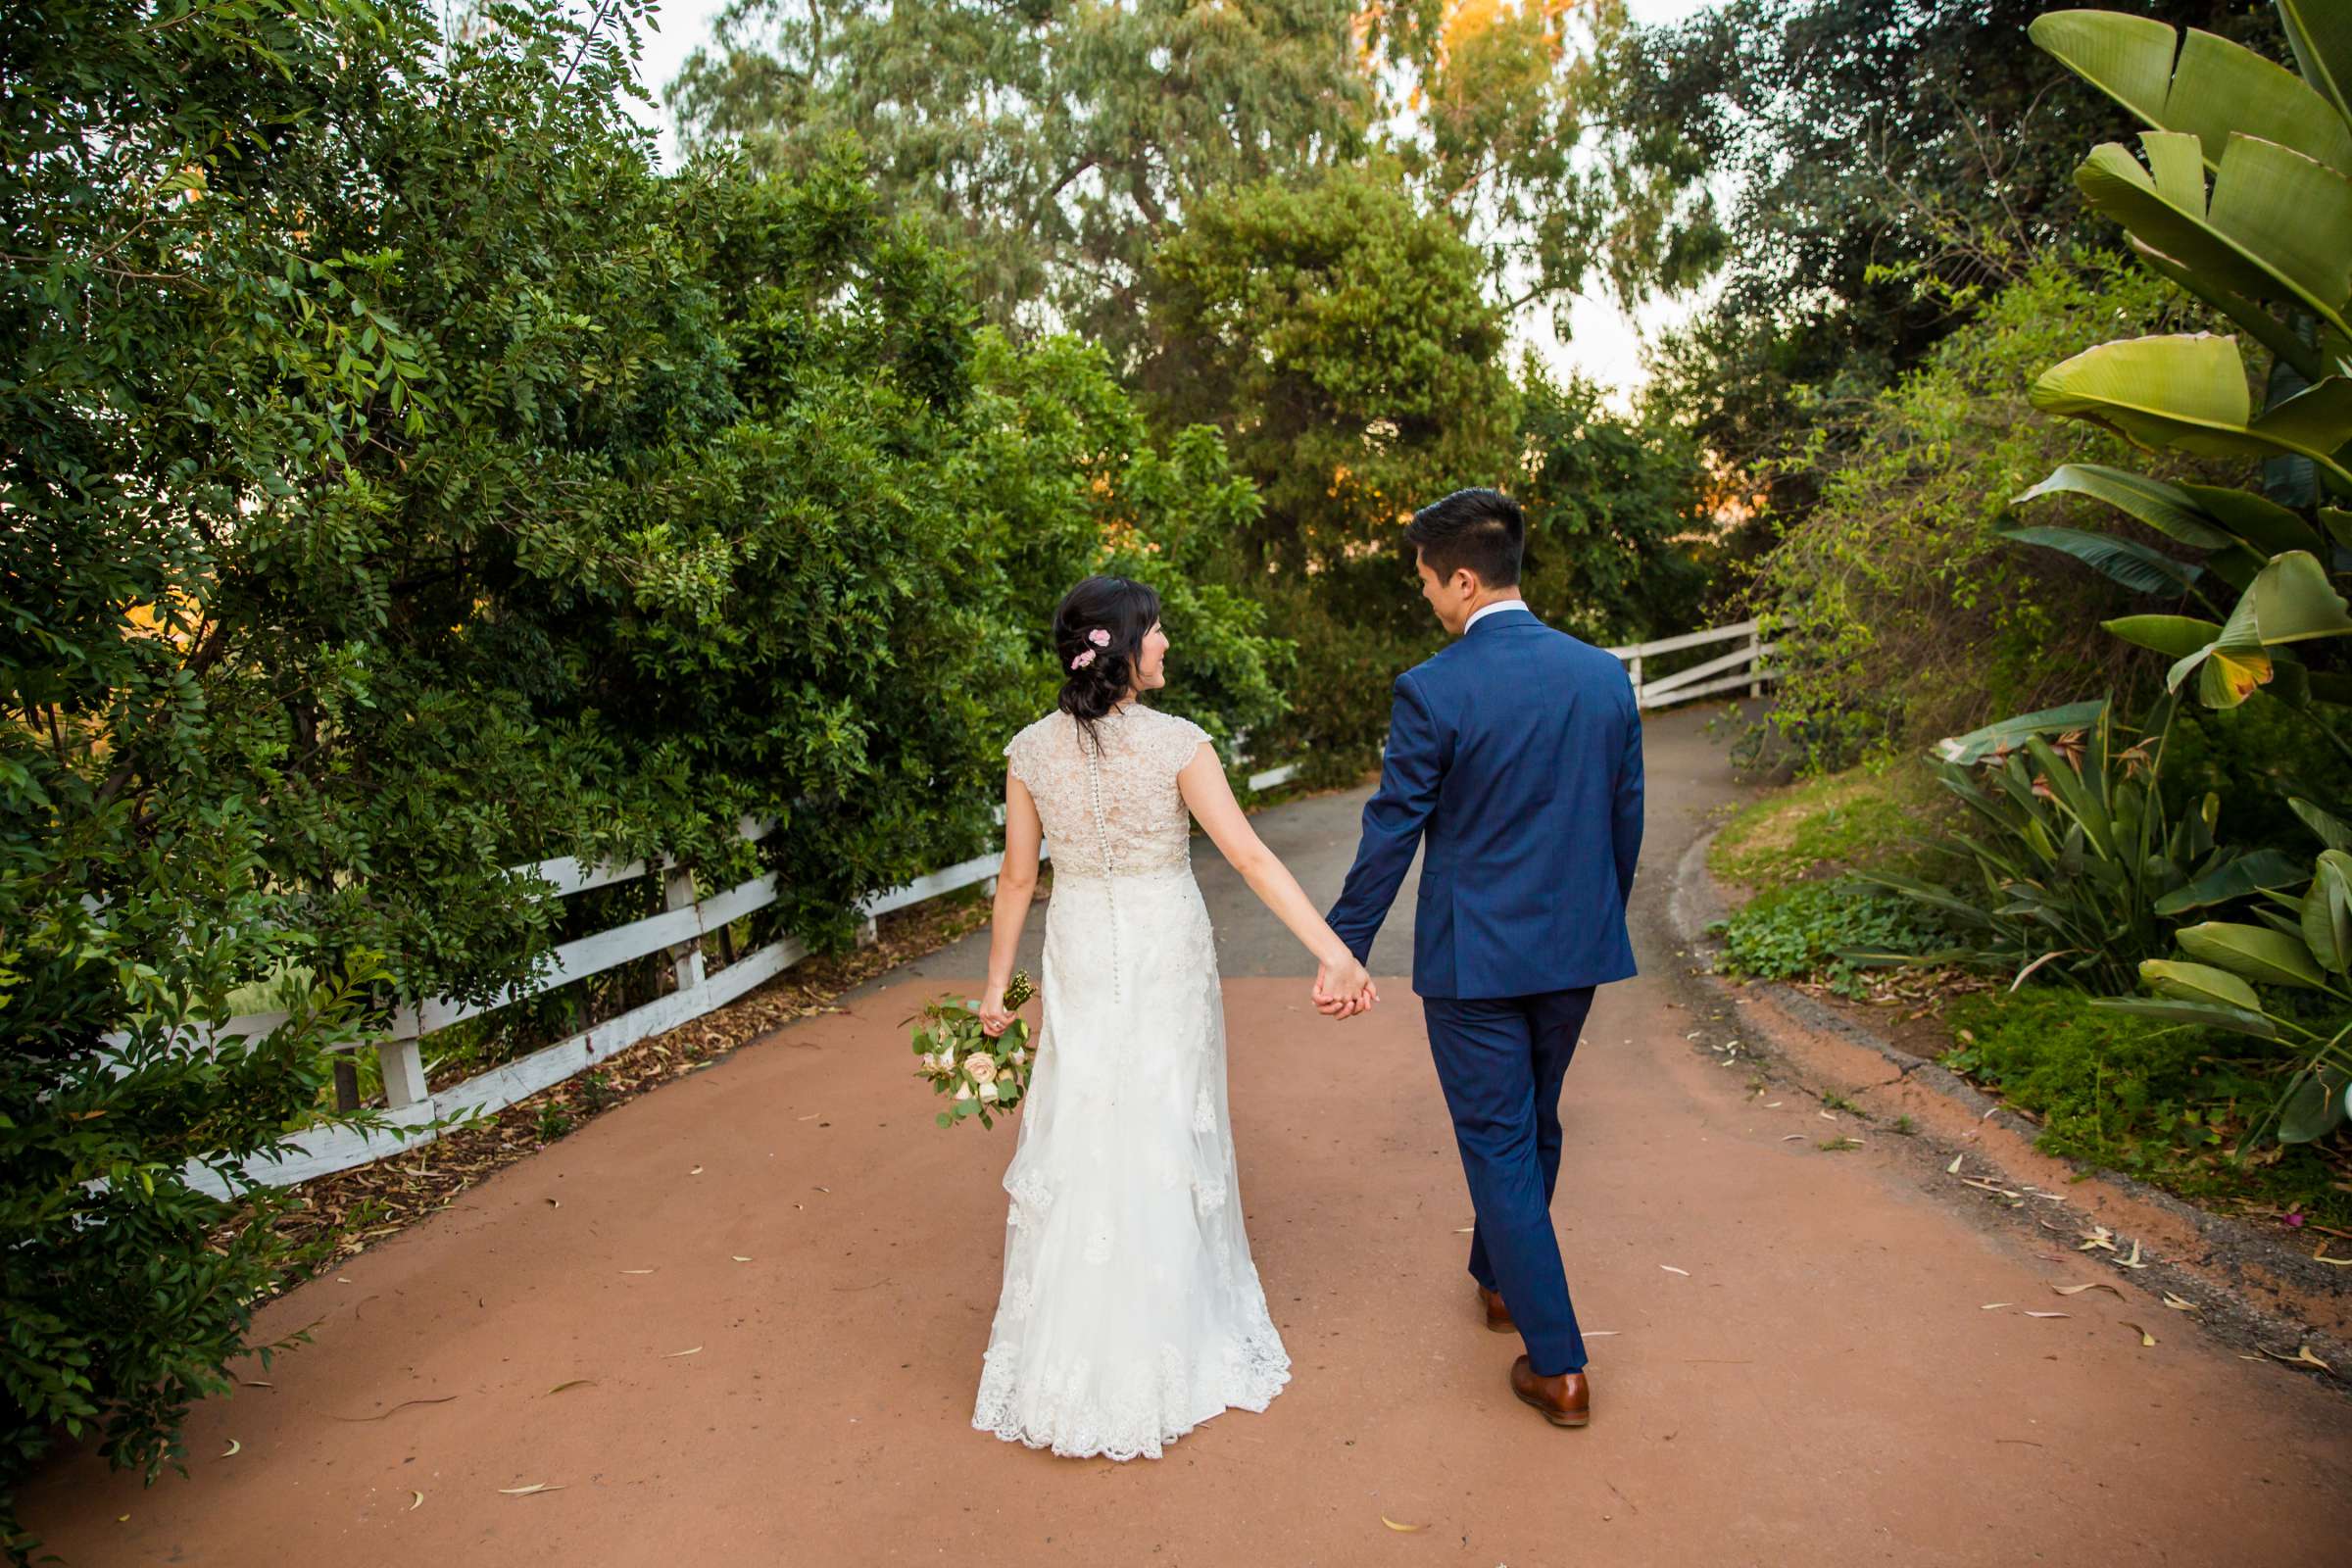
1124	609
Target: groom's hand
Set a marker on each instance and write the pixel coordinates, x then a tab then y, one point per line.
1343	989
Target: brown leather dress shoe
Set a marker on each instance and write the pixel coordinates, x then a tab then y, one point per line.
1499	1316
1564	1398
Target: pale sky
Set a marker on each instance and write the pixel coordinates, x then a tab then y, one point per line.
1606	341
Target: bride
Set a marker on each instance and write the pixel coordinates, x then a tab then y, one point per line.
1131	1311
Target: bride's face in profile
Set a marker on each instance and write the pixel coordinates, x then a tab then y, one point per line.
1152	661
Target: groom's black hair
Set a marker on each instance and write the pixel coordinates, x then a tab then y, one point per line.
1479	528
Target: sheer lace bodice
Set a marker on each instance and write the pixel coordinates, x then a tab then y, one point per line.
1143	825
1130	1310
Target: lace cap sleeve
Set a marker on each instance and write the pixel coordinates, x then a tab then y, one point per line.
1182	739
1020	753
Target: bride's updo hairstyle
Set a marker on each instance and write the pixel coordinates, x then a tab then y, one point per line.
1099	634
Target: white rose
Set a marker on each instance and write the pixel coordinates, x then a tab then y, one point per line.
981	1066
963	1090
988	1091
1019	1055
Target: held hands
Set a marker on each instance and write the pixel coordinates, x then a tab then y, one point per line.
1343	989
995	1016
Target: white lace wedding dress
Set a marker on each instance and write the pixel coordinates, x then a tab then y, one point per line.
1131	1311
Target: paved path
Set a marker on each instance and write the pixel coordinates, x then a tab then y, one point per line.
1795	1369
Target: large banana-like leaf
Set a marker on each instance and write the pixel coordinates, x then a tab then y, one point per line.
2197	982
2313	1105
2010	733
2189	390
2320	33
2291	602
2257	520
2166	508
2174	636
2246	529
2254	952
2133	565
2328	912
2248	873
2217	87
2278	224
2209	1014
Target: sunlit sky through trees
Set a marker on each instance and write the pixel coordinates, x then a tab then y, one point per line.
1604	342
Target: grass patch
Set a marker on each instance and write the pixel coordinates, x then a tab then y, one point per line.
2165	1102
1874	816
1796	932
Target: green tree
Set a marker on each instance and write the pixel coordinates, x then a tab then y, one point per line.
1621	532
1340	338
1054	143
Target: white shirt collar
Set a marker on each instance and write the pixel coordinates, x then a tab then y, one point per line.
1484	611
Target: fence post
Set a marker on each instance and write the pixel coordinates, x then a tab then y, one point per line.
401	1057
1635	671
677	893
1755	658
869	932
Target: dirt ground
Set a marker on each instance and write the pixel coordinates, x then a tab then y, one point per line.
739	1320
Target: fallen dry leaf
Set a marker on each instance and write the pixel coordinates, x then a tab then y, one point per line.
234	1447
1793	1138
2146	1338
256	1383
1601	1334
636	1272
2302	1357
1465	1230
1826	1115
1671	1269
2134	1260
575	1383
1989	1305
2320	1255
1953	1169
2178	1304
402	1406
1772	1105
2049	1314
668	1355
2094	1285
524	1492
739	1257
697	1171
418	1504
1403	1529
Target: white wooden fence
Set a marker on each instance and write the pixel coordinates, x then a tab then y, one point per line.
416	1113
1743	666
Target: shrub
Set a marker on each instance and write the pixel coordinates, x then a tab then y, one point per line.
1818	930
1901	613
2168	1103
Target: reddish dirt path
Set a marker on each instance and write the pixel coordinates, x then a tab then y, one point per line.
1821	1386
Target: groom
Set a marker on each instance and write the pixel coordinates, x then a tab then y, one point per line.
1514	760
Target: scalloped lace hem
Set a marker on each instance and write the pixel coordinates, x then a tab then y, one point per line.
1251	1382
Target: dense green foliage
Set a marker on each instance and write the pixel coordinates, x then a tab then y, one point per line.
1888	167
2167	1103
409	483
1062	143
1830	931
1901	612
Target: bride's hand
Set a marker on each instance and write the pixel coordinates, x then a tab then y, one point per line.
993	1019
1343	989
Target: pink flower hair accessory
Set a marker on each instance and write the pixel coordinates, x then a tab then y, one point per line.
1086	656
1083	658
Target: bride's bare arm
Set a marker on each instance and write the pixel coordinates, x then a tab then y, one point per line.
1017	889
1208	794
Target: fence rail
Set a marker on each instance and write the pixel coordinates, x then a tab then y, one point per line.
417	1113
1744	664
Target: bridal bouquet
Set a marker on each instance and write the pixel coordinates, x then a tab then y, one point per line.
980	1074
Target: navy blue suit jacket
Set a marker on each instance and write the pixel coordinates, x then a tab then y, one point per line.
1515	756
